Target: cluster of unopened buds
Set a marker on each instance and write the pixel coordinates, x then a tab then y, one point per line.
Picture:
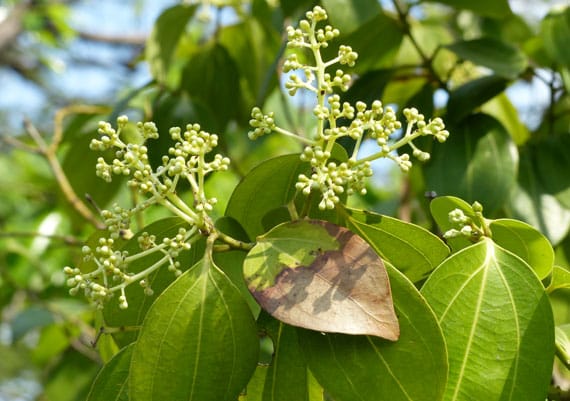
328	176
465	226
186	161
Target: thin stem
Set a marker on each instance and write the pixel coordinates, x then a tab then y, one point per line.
293	135
292	209
234	243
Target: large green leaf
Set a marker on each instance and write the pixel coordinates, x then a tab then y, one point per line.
497	323
532	203
526	242
414	368
287	377
477	163
131	318
164	38
473	94
317	275
410	248
489	8
198	341
111	383
504	59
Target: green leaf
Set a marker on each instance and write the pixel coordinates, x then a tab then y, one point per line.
563	344
489	8
316	275
560	279
30	319
504	59
111	383
531	202
287	377
349	15
198	341
555	34
268	187
477	163
497	323
410	248
526	242
466	98
414	368
211	77
139	303
164	38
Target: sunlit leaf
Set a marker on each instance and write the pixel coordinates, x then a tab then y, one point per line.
364	368
560	279
563	344
410	248
164	38
198	341
111	383
320	276
497	323
349	15
555	33
526	242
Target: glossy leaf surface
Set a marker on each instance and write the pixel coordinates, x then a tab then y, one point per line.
560	279
198	324
410	248
526	242
497	323
477	163
317	275
111	383
364	368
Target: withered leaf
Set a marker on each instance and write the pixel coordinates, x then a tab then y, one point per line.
317	275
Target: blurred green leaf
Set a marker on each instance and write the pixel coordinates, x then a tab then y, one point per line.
491	8
471	95
477	163
349	15
29	319
555	34
560	279
504	59
489	302
164	38
530	202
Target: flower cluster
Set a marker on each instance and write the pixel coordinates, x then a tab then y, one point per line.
465	226
187	160
330	177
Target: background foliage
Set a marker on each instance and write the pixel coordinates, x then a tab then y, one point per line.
461	60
